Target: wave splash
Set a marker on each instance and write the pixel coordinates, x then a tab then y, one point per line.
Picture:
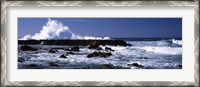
163	50
54	29
179	42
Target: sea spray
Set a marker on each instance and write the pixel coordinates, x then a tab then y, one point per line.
54	29
146	53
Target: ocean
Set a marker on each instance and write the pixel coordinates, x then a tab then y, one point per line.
144	53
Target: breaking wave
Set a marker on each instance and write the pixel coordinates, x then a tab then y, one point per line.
163	50
54	29
179	42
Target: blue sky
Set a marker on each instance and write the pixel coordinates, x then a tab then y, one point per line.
111	27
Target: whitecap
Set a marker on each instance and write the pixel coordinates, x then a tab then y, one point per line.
179	42
163	50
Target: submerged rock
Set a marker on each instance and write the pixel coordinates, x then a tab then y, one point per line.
99	48
21	59
27	48
106	66
63	56
107	48
179	66
136	65
142	57
34	66
93	47
53	64
57	48
67	49
75	48
52	51
69	53
99	54
110	66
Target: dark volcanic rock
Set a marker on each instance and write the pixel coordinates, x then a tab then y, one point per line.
99	48
76	48
102	66
94	45
180	66
52	51
21	60
142	57
110	66
69	53
75	42
33	66
136	65
106	66
85	68
63	56
53	64
108	54
67	49
129	44
99	54
94	54
57	48
107	48
27	48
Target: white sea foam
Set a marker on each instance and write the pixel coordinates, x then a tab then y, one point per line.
177	41
163	50
89	37
158	57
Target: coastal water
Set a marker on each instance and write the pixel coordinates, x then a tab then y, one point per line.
148	53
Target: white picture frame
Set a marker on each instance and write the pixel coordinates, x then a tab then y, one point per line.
4	38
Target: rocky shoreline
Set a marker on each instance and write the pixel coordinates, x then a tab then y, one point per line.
74	42
94	44
99	49
98	53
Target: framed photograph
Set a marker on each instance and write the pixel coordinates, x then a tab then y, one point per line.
100	43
